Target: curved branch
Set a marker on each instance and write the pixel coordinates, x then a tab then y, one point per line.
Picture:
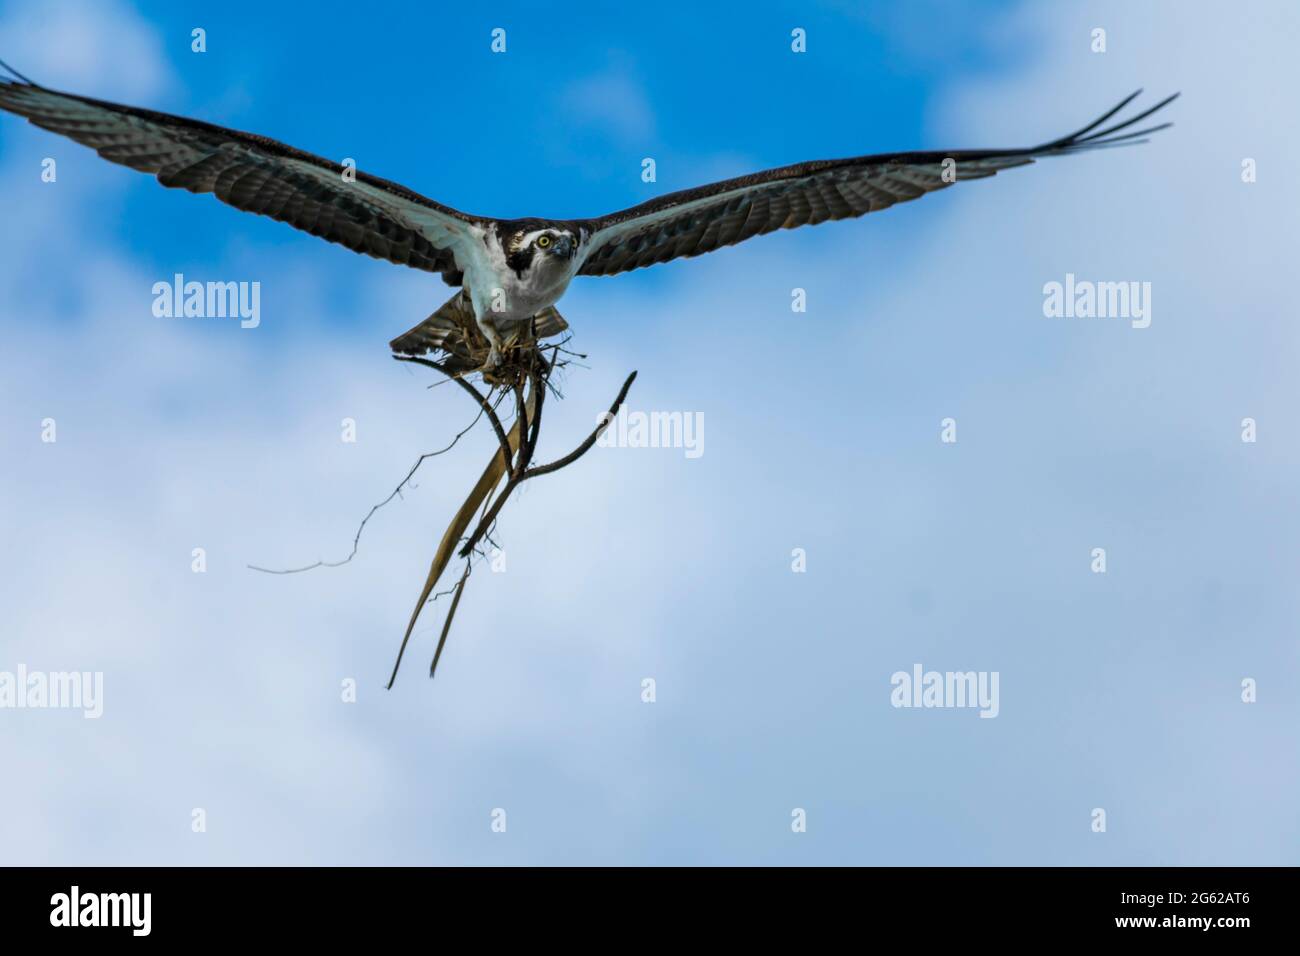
516	480
506	453
541	382
451	613
492	474
522	414
585	447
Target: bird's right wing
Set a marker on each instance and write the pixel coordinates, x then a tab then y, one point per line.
695	221
256	174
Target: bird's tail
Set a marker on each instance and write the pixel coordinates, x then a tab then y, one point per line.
453	331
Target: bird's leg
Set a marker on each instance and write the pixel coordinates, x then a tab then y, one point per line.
494	339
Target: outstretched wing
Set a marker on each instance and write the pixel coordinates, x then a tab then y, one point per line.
367	214
695	221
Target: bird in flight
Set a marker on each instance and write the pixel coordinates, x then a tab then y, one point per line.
511	272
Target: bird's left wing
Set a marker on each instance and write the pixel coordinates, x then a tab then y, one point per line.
362	212
695	221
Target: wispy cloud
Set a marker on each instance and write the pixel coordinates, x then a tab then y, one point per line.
612	101
86	44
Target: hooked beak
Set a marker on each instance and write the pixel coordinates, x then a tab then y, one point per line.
565	246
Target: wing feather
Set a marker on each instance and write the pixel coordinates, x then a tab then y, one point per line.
696	221
370	215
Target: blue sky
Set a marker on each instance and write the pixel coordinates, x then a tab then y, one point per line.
1119	691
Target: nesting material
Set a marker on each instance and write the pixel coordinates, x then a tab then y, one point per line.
457	343
459	348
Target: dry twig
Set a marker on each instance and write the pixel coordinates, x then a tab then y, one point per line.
527	375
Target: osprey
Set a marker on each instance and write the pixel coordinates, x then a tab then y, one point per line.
512	271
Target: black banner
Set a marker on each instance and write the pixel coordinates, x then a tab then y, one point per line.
334	905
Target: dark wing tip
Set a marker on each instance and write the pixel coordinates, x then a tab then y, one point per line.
15	74
1090	137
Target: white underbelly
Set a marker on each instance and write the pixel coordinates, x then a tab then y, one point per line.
523	300
506	296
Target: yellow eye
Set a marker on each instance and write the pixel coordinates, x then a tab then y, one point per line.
543	242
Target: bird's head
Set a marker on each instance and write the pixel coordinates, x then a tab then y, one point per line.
539	247
552	241
537	239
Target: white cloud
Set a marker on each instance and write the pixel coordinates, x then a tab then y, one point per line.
86	44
